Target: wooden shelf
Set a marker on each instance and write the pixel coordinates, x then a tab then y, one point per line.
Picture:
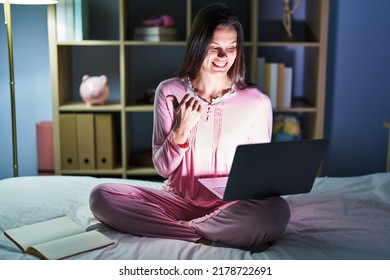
75	106
139	108
117	172
89	43
134	66
288	44
141	171
145	44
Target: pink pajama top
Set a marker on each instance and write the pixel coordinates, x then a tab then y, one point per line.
239	117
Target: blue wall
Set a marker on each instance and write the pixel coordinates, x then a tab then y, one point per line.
358	91
32	86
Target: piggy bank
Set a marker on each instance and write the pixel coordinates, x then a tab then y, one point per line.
94	90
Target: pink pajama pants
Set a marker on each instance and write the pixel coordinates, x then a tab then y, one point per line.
159	213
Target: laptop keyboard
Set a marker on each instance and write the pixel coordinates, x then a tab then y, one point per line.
220	190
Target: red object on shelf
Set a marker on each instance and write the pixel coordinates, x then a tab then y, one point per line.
45	148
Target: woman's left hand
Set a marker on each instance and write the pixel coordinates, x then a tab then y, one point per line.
187	115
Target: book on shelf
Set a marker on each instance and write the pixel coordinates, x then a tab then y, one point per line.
57	238
260	72
280	85
271	81
72	21
278	79
69	12
81	22
287	87
155	33
61	21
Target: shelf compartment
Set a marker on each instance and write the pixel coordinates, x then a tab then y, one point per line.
305	21
75	61
304	62
148	66
137	11
242	8
104	19
102	152
273	31
139	130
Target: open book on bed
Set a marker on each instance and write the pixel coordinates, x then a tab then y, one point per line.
58	238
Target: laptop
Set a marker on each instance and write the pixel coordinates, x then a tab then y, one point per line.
270	169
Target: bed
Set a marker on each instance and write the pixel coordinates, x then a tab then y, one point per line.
341	218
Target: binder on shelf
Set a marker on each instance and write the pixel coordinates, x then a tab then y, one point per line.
86	141
105	141
68	136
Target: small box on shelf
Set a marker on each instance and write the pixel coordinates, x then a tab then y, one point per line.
155	33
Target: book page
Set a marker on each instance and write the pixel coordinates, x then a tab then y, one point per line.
71	245
30	235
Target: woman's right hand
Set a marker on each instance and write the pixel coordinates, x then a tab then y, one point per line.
187	115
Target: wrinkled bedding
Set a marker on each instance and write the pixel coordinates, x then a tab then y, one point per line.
341	218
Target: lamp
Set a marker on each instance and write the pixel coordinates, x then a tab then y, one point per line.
7	18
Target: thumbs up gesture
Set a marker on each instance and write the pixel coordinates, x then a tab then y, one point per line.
187	115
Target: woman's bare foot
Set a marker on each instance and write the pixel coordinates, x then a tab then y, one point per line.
185	223
202	240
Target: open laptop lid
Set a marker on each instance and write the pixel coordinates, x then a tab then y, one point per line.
274	169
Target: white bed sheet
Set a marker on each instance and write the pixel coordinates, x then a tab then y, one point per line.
342	218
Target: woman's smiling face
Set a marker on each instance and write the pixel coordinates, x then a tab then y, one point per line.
222	51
